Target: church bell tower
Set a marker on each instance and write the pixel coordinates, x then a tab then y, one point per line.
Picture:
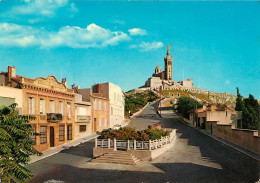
168	65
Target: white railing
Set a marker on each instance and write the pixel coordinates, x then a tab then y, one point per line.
135	145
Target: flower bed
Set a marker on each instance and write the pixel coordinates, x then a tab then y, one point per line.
127	133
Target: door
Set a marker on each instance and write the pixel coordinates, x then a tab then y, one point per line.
52	136
95	124
69	132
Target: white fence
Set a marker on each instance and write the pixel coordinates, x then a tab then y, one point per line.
135	145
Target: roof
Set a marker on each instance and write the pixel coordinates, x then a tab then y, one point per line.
211	107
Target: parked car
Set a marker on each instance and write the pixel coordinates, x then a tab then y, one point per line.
117	126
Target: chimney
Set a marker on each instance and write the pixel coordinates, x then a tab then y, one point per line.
64	81
11	73
73	86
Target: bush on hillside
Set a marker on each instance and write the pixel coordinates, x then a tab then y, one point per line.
186	104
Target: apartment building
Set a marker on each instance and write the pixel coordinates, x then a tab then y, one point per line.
83	122
100	107
50	102
116	101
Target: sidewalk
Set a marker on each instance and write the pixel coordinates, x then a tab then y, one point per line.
55	150
170	114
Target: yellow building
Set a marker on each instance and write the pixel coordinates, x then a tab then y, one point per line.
50	102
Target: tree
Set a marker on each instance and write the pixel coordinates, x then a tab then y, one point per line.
16	145
186	104
239	102
251	115
240	106
250	111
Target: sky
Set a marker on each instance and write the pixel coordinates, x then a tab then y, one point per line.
216	43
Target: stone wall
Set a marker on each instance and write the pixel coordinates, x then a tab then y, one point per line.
245	138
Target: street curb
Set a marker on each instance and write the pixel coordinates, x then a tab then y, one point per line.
62	150
221	141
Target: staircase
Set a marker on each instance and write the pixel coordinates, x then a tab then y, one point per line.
119	157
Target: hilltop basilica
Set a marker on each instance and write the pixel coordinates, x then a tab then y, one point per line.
162	80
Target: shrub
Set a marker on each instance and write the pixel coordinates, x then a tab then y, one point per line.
127	133
156	133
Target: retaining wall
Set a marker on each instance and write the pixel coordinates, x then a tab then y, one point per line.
245	138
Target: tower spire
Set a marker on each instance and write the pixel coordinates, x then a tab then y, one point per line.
168	49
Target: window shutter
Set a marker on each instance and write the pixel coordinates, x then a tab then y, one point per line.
33	106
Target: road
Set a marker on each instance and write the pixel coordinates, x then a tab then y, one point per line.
194	158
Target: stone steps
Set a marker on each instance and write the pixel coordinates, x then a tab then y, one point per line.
119	157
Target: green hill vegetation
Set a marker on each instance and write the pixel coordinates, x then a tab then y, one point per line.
134	101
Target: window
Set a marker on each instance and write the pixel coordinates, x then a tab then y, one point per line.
95	105
62	132
52	106
68	110
105	106
69	132
99	105
105	122
42	106
226	113
61	108
33	137
82	128
111	111
31	105
43	134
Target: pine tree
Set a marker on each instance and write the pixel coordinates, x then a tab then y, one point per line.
239	102
16	145
251	116
240	106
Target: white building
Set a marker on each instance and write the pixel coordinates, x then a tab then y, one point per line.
10	95
116	102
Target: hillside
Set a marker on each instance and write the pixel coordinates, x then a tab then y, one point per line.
217	98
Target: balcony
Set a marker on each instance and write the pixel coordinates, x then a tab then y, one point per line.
83	118
54	117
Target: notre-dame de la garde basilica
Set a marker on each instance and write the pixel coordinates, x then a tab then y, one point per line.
162	80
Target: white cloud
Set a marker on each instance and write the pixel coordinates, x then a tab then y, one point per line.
39	7
137	32
69	36
146	46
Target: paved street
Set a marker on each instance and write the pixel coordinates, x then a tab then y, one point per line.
194	158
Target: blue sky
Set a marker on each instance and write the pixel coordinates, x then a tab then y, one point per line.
216	43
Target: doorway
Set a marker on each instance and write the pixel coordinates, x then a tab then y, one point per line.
52	136
69	132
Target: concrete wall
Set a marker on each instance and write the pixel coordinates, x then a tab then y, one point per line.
245	138
12	93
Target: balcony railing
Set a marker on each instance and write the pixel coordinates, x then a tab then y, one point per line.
54	117
83	118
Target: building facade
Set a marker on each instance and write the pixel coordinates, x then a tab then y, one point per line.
10	95
83	122
216	113
50	102
116	102
99	107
